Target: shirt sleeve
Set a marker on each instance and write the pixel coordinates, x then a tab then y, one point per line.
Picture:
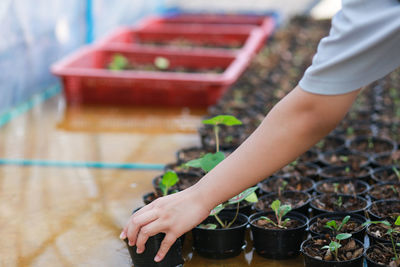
363	45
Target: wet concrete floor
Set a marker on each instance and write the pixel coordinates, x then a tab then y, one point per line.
72	216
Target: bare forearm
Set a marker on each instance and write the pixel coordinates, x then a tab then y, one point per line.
295	124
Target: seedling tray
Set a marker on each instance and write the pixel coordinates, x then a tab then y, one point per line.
86	81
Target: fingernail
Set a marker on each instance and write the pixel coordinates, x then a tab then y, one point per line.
130	244
157	258
122	236
139	251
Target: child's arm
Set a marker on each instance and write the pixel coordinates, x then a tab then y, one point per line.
296	123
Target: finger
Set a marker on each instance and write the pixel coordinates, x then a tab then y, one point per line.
137	222
166	244
145	232
124	232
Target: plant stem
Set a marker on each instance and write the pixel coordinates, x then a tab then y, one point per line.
219	221
216	131
394	247
234	219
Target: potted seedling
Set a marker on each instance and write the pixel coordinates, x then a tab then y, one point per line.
339	203
291	183
338	251
217	122
385	191
384	255
279	233
385	208
337	223
342	186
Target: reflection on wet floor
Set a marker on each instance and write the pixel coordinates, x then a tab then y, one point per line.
73	216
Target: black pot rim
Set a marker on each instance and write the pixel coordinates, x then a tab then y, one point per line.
324	177
352	211
380	201
298	192
337	213
362	137
243	216
365	254
323	237
372	187
376	170
343	180
286	177
322	157
295	215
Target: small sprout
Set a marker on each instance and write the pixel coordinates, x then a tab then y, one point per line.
161	63
207	162
347	169
334	246
280	212
168	180
282	187
350	131
339	202
370	143
320	144
228	139
396	171
344	158
332	225
336	187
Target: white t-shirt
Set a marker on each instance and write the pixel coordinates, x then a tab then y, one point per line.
363	46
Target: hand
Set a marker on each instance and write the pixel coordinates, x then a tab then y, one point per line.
173	215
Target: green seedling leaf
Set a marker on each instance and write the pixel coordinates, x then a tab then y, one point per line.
396	171
344	221
161	63
209	226
275	206
343	236
168	180
344	158
252	198
377	222
119	62
210	160
242	196
195	163
331	225
397	222
217	210
283	210
227	120
267	219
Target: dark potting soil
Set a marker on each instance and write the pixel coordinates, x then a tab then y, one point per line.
341	187
294	199
338	203
385	175
291	224
349	250
344	171
329	143
186	183
380	231
386	209
189	154
350	227
353	160
371	145
388	160
385	191
383	254
297	169
293	184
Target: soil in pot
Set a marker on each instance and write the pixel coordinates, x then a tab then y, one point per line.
146	259
372	145
345	172
345	157
385	174
309	156
292	183
149	197
188	154
381	255
275	242
385	191
382	209
387	160
300	169
297	200
221	243
338	203
330	143
349	255
353	226
339	186
377	233
186	180
178	167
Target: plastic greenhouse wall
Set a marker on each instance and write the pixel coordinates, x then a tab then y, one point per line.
36	33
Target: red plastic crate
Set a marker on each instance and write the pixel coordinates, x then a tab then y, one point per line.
87	82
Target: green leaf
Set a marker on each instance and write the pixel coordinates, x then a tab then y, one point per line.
227	120
210	226
397	222
275	206
345	220
217	210
283	210
119	62
210	160
343	236
195	163
331	224
377	222
267	219
333	246
252	198
243	195
326	247
162	63
169	179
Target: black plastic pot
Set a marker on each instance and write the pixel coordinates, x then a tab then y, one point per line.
278	244
384	175
146	259
190	153
389	145
221	243
383	207
339	172
304	169
330	143
385	161
363	186
273	183
177	167
314	262
387	190
303	209
371	263
344	157
359	235
317	211
245	208
149	197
